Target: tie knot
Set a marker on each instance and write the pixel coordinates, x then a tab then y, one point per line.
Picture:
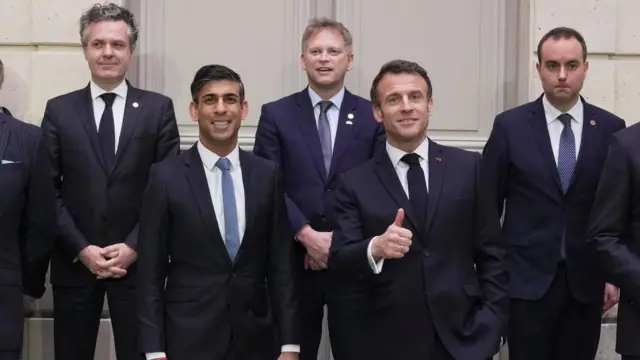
411	159
108	98
223	164
565	119
324	106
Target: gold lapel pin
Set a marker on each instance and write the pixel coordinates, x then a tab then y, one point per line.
592	123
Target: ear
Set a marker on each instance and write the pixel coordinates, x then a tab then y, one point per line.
377	113
430	105
244	111
303	66
193	111
349	60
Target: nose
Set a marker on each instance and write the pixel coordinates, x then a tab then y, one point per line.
406	104
220	107
324	56
108	51
562	75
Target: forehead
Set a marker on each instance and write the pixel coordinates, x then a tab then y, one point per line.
109	30
561	50
325	37
401	83
220	88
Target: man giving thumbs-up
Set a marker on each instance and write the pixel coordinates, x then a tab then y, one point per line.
426	212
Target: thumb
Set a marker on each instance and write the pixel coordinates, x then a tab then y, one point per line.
399	218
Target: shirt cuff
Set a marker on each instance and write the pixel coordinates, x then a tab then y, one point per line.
155	356
290	348
375	266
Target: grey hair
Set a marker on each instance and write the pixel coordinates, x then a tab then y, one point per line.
323	23
108	12
1	73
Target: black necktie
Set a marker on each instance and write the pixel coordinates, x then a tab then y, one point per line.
106	132
418	195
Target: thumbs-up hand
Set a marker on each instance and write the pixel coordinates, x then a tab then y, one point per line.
394	243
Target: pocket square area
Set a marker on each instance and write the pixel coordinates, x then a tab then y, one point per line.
9	162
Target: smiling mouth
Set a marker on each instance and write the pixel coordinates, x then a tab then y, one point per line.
221	124
324	70
405	121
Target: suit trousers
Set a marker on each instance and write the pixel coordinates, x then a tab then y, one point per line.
555	327
77	312
7	355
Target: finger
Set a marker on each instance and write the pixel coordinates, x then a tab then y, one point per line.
105	264
406	233
116	271
111	254
399	218
306	262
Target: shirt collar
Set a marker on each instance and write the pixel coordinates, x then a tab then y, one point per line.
209	158
336	100
396	154
551	113
120	90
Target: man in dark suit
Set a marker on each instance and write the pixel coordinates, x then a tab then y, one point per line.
544	159
315	135
27	226
102	140
214	230
614	233
418	229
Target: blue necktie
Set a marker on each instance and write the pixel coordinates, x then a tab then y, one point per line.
324	130
231	232
566	164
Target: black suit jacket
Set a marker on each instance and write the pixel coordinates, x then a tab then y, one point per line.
614	233
456	263
96	205
520	161
27	223
208	300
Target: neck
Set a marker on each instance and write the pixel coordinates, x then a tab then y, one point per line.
408	146
564	106
220	148
107	84
327	92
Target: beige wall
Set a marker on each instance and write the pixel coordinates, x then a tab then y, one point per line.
481	61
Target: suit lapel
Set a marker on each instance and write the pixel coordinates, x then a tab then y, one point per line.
250	179
84	105
591	136
389	179
307	122
345	132
540	131
437	165
200	190
131	115
5	131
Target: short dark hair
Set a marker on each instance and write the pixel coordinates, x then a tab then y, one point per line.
214	73
563	33
108	12
399	67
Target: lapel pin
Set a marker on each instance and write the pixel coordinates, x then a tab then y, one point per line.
592	122
349	122
135	105
438	159
350	116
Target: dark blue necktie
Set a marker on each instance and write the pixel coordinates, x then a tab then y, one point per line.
566	165
106	132
324	131
418	194
231	231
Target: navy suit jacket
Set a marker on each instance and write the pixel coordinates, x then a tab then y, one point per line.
27	223
520	161
96	205
455	270
287	134
208	299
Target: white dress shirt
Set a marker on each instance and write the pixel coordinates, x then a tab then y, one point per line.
214	182
402	168
118	106
555	126
333	113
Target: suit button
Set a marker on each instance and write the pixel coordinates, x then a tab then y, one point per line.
327	189
426	253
